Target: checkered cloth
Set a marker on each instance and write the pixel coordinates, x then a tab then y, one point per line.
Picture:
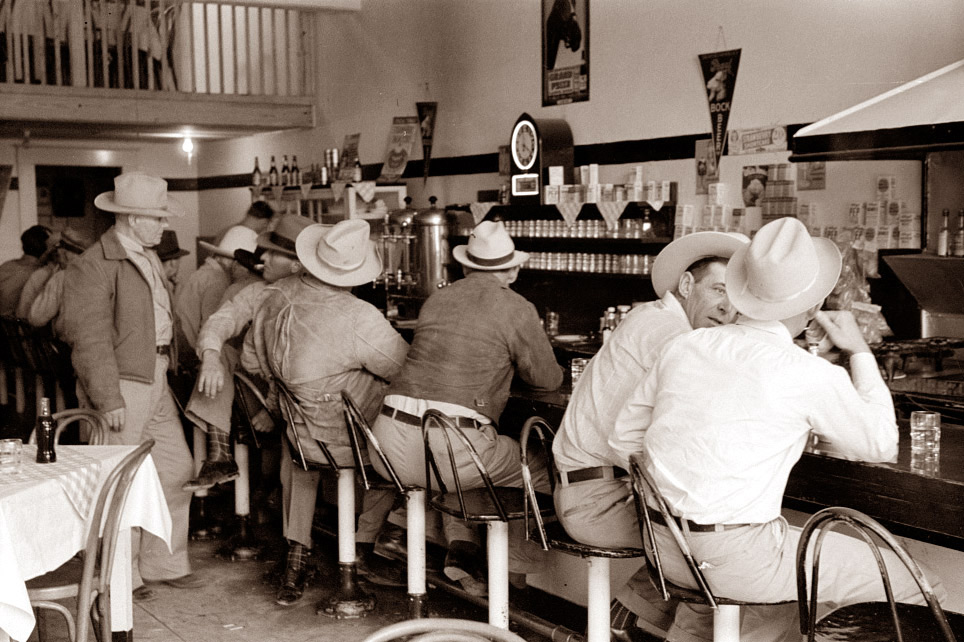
365	190
77	474
611	211
479	210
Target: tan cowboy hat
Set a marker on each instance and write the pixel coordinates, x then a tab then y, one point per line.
139	193
236	238
490	248
674	259
782	272
282	238
342	255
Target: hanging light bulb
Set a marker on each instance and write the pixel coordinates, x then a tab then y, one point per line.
187	146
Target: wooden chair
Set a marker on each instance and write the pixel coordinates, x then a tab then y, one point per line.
96	424
553	536
726	612
443	630
869	620
491	505
86	577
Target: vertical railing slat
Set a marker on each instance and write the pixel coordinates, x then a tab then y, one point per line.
58	63
235	27
162	19
8	29
207	51
220	15
89	40
191	36
76	42
103	41
136	41
40	43
119	43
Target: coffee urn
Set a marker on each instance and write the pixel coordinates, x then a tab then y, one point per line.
431	250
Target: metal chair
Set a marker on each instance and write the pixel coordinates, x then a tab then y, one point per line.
87	577
95	420
361	432
869	619
491	505
553	536
726	612
443	630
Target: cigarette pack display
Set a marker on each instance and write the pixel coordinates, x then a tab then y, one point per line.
855	215
593	173
650	193
606	192
556	175
552	194
886	188
716	193
872	211
584	175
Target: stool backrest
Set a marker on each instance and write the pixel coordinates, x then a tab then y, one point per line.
94	419
292	412
248	401
646	493
818	526
449	427
360	433
541	428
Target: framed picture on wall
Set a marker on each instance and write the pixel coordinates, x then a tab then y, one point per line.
565	51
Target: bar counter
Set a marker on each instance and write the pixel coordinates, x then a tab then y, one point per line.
928	508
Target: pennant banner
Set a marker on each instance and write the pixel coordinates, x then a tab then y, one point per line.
426	119
719	76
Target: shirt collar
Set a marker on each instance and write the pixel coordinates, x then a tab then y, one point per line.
775	328
128	242
481	274
672	303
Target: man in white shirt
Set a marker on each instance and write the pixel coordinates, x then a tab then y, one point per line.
593	497
726	412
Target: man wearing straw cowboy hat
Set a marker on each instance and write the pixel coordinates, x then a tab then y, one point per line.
594	496
726	412
472	337
316	339
118	321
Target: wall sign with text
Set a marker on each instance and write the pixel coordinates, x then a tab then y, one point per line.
565	51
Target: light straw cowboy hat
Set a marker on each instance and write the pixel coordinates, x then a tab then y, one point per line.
342	255
139	193
490	248
782	272
236	238
674	259
282	238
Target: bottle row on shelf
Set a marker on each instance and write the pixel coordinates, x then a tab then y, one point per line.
630	228
590	262
316	174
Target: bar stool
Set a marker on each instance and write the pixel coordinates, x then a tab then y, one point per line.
414	504
491	505
19	360
869	619
553	536
726	612
349	601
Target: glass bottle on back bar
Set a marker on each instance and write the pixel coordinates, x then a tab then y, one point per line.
942	237
959	235
256	174
285	172
45	434
295	172
273	174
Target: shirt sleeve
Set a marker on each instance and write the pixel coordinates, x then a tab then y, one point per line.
634	417
535	362
32	288
381	349
47	303
230	319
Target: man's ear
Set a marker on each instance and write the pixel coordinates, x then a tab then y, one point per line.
295	267
686	283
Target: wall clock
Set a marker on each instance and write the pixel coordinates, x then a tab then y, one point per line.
535	145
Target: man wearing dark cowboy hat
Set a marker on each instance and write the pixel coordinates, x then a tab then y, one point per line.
726	412
472	337
170	253
118	321
211	401
316	339
37	241
594	498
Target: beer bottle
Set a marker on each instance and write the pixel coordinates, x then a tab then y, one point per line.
285	172
295	172
256	174
273	174
959	235
45	434
942	238
357	175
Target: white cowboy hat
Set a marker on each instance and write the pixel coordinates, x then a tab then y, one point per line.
490	248
236	238
139	193
342	255
675	258
782	272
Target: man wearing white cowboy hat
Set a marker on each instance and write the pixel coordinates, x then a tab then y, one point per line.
726	412
594	497
119	323
316	339
472	337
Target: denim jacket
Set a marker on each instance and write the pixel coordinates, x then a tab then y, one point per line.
470	339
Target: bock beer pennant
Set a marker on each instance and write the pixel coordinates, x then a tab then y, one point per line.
426	119
719	76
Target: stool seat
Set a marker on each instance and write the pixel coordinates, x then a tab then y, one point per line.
697	596
872	622
559	540
480	508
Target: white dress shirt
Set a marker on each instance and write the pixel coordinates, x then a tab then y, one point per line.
726	412
609	379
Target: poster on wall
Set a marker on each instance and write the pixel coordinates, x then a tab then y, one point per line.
426	120
401	142
719	78
812	175
565	52
757	141
707	171
754	184
349	154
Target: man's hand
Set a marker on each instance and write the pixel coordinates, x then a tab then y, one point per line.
842	328
210	379
262	422
116	419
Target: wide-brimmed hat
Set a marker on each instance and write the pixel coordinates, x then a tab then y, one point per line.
489	248
139	193
236	238
782	272
678	256
342	254
169	249
74	241
282	238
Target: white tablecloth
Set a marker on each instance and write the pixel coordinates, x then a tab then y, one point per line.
40	528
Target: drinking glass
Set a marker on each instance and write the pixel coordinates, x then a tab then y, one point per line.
815	334
925	434
11	456
576	366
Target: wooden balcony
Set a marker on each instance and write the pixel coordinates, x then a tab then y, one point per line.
133	68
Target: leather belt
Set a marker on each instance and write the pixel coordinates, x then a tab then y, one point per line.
164	350
657	518
415	420
585	474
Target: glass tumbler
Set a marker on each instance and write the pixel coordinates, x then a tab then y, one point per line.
925	434
11	456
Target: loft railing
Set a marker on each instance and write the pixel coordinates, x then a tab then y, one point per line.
156	45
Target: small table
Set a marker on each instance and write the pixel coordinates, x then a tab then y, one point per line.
44	515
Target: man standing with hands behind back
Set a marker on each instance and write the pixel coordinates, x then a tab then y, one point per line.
118	321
